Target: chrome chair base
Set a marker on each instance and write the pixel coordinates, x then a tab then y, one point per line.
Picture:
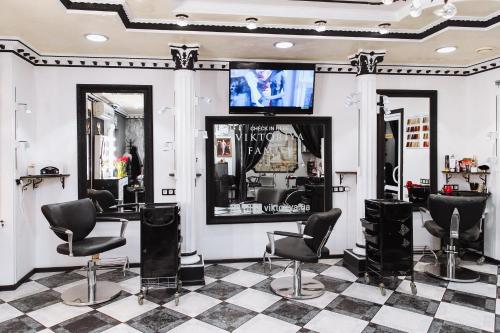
310	288
81	295
458	274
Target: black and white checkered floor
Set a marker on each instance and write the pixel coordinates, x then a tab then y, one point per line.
237	298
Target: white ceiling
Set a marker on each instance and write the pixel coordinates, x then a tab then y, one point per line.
51	29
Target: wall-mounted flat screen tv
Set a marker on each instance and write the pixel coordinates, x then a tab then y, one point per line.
271	88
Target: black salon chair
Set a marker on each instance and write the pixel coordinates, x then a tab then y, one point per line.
72	222
301	247
105	202
455	220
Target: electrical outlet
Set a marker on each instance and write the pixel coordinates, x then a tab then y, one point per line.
168	191
338	189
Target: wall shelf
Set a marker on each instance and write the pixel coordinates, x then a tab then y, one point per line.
35	180
466	174
342	174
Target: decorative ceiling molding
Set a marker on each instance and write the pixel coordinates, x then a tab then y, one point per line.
119	8
28	54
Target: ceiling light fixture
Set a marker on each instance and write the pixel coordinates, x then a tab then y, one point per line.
387	2
383	28
320	26
448	10
416	8
251	23
446	49
485	49
182	20
283	45
96	38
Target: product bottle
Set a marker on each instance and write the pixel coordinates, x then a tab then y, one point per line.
453	163
447	163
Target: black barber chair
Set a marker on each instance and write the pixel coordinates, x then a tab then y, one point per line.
72	222
302	247
105	202
454	220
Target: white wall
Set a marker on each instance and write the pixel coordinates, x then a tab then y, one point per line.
465	110
57	140
7	170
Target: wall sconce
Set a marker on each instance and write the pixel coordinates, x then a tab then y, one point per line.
204	134
23	107
206	100
165	109
352	100
384	104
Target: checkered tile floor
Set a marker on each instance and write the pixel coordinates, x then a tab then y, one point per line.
237	298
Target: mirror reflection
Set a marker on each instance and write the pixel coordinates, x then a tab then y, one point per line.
115	150
406	144
268	169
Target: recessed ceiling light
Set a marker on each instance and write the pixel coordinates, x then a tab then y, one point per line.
320	26
387	2
251	23
384	28
96	38
283	45
446	49
485	49
182	20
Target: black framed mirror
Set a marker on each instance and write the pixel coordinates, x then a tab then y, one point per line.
407	145
267	169
115	147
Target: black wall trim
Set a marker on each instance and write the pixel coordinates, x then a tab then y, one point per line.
18	283
118	8
147	90
432	95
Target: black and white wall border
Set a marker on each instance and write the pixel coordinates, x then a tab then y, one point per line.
27	53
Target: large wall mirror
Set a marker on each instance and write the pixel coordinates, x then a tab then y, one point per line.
115	147
407	145
267	169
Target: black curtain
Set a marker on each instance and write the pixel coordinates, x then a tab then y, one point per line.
311	136
253	141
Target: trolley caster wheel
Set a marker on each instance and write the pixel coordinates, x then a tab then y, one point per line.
382	289
413	288
367	278
140	299
480	261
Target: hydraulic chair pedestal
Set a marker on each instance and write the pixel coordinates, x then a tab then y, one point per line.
93	292
450	271
297	287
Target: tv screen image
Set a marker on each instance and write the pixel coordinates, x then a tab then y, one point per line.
274	89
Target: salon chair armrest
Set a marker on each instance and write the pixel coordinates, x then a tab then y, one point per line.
270	236
300	225
69	233
291	234
127	205
425	214
115	219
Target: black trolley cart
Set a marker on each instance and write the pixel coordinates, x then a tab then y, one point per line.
160	249
389	241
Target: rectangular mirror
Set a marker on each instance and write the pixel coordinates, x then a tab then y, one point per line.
115	143
262	169
407	132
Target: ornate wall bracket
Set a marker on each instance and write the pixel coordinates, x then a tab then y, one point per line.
366	61
184	56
